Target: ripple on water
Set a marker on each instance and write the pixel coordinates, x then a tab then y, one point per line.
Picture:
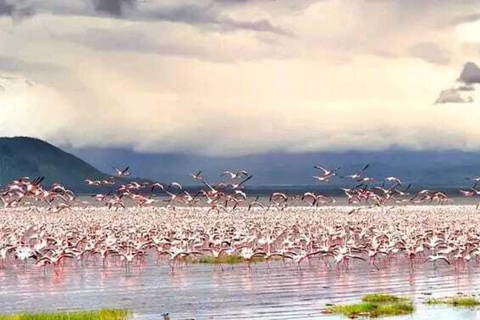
202	292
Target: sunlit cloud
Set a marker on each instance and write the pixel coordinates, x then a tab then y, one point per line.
234	78
470	32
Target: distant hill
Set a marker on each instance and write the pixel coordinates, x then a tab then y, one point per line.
31	157
22	156
444	169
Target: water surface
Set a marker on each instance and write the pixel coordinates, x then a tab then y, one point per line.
206	292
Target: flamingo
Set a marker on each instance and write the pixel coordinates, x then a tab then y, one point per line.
196	176
122	172
235	175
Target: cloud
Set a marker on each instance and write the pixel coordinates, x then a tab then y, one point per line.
466	88
11	64
452	96
16	9
112	7
468	78
430	52
6	8
234	78
470	73
470	17
193	44
206	14
38	72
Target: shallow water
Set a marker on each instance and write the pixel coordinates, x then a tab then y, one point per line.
205	292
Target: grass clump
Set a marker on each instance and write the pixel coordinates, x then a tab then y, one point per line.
376	305
104	314
382	298
455	301
356	309
374	310
220	260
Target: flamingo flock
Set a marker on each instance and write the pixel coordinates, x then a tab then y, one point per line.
226	195
51	226
324	237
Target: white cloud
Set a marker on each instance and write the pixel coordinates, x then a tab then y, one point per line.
347	79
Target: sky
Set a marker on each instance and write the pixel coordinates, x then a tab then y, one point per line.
240	77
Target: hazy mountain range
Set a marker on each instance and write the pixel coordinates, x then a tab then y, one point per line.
32	157
426	168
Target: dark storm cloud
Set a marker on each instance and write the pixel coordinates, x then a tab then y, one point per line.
112	7
212	14
15	8
189	14
470	73
6	8
258	25
208	16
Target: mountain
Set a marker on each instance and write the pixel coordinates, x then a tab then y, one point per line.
31	157
446	168
22	156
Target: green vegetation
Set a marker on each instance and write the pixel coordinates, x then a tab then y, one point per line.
105	314
382	298
373	310
455	301
376	305
221	260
